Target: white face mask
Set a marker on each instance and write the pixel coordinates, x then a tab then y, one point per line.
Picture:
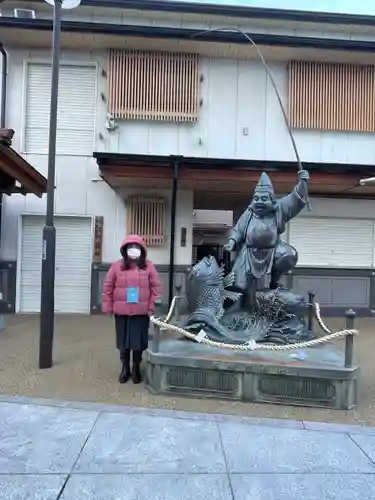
133	253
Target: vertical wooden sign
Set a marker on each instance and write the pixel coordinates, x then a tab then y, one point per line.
98	239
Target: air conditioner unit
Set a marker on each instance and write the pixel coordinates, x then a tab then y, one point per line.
24	13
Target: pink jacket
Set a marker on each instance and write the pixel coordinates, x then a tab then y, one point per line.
118	280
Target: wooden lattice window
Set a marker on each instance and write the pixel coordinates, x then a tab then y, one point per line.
161	86
146	218
332	96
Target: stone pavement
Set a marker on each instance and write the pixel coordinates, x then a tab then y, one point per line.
55	450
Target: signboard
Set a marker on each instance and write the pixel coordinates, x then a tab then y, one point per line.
98	240
364	7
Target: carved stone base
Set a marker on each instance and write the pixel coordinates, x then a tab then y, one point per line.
310	377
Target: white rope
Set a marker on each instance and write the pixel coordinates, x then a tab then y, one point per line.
251	345
172	308
319	319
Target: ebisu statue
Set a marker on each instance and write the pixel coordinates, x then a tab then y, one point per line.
220	305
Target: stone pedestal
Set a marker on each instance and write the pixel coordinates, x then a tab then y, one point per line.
314	377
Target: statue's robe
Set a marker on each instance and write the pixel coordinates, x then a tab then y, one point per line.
257	237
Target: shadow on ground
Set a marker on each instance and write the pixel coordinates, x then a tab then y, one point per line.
86	368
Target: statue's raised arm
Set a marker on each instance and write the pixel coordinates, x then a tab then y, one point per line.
293	203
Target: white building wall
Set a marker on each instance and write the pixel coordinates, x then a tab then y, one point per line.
253	127
235	90
79	191
240	118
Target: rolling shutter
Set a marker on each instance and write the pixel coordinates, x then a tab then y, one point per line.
30	267
333	242
76	109
73	264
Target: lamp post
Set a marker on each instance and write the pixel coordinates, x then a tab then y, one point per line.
47	297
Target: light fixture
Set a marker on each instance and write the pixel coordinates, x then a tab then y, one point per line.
24	13
369	180
66	4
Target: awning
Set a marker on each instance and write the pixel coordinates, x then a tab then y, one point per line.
16	174
211	175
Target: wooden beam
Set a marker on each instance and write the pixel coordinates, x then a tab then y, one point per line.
26	182
6	136
135	172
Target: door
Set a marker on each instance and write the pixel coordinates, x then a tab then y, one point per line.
73	264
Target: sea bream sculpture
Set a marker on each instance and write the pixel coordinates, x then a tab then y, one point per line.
234	308
206	290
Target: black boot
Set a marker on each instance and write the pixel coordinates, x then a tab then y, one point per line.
125	370
136	369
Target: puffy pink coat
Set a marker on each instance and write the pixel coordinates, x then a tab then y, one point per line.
118	280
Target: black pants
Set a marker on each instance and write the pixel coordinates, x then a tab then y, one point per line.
132	333
125	357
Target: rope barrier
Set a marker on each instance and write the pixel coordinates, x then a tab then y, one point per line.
319	319
251	345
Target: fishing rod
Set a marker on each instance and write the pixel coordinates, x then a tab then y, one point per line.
270	75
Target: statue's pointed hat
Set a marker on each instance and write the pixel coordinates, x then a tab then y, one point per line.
264	184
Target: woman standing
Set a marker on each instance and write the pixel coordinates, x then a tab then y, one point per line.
130	290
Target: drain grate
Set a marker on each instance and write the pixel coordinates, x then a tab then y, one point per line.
202	380
322	391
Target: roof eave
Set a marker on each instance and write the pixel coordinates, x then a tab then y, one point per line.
171	33
233	11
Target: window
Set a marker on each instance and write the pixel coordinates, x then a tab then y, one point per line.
146	217
158	86
76	109
330	96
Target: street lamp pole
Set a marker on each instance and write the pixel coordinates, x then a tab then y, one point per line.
47	296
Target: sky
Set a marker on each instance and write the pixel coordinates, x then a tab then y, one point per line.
363	7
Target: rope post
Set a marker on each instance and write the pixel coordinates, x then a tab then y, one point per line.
155	337
310	319
349	339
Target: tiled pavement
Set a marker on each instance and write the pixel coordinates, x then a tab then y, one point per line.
52	450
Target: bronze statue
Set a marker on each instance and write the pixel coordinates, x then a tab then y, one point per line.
275	314
256	236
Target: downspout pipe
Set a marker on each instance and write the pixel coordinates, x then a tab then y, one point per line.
3	102
4	73
175	160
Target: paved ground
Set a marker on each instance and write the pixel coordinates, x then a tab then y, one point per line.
73	451
86	368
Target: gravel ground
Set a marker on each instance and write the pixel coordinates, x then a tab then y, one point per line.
86	369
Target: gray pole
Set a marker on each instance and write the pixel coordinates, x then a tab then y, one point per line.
47	298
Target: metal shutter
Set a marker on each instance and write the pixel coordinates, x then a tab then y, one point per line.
30	264
76	109
73	264
333	242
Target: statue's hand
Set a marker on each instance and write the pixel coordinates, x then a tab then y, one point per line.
229	247
304	175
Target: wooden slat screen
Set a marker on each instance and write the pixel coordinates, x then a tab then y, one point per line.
146	218
332	96
159	86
